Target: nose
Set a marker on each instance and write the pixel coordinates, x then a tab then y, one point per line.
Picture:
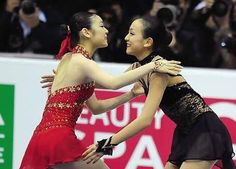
126	37
106	31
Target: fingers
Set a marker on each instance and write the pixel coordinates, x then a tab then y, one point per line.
176	68
164	62
88	151
93	158
97	157
90	148
173	62
46	85
47	78
172	72
90	155
157	58
174	65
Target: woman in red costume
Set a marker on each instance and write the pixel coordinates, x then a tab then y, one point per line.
54	144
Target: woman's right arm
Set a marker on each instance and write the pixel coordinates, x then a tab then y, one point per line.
108	81
104	80
94	72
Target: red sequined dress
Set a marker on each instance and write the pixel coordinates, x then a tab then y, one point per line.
54	140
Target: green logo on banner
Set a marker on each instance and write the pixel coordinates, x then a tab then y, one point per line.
6	125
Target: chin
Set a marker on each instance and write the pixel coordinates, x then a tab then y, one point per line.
105	45
102	46
128	52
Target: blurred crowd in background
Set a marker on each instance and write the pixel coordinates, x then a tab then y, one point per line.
204	31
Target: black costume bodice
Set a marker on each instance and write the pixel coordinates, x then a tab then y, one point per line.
180	102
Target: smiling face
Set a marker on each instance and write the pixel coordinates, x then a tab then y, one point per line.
99	32
135	40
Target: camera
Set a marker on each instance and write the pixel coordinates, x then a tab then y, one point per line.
28	7
169	14
229	43
221	7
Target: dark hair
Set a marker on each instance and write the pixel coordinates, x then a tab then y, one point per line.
156	29
77	22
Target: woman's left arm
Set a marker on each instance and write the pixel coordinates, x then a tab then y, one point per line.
158	83
100	106
157	87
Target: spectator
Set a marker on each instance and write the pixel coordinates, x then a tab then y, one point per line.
25	28
225	38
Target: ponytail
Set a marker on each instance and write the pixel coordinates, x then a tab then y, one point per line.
65	44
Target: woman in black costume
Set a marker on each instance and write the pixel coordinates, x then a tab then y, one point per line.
200	139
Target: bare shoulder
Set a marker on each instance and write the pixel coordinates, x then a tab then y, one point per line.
82	61
157	77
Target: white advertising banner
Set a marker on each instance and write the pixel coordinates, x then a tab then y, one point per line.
22	102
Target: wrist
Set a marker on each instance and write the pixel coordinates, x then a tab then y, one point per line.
105	146
158	64
153	65
132	94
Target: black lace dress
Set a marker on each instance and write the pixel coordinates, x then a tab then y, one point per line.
199	133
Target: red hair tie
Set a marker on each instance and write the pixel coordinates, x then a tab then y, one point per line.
65	46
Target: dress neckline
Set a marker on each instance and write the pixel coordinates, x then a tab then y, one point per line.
82	50
177	84
147	59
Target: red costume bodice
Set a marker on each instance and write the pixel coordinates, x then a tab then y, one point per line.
64	106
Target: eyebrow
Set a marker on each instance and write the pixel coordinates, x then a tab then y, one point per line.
131	29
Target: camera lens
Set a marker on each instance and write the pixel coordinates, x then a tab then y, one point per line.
168	14
223	44
229	43
220	8
165	14
28	7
